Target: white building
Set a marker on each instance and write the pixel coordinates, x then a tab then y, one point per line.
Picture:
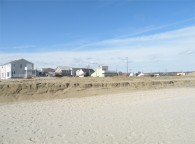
17	69
84	72
131	74
103	71
141	74
66	71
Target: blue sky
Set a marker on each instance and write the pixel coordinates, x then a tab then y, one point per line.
154	34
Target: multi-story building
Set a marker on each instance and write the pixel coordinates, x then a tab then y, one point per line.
17	69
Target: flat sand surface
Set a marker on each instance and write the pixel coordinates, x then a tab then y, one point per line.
163	116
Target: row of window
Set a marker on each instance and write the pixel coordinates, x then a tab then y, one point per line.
14	65
8	74
13	72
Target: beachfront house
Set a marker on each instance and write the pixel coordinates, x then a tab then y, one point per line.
66	71
17	69
181	74
84	72
48	72
63	71
74	71
103	71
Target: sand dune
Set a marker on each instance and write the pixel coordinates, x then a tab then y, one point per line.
165	116
55	88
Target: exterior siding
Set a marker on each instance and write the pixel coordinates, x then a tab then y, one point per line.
60	72
18	69
80	73
73	71
5	71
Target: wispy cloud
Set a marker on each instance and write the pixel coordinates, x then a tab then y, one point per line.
154	28
187	52
175	37
172	50
141	37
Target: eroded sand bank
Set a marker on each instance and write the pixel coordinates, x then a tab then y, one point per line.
165	116
66	87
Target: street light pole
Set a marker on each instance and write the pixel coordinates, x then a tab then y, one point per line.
127	65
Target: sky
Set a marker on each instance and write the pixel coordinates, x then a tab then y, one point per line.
155	35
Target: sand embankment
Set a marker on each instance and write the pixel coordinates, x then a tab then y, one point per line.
163	116
52	88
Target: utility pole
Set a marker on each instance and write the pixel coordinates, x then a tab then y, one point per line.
35	72
88	69
127	65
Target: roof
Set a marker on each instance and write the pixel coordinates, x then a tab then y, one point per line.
76	68
48	70
87	70
109	72
17	60
64	67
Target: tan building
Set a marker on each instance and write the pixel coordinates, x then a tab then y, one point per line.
181	74
63	71
83	72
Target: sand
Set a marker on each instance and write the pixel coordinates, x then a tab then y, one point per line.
163	116
67	87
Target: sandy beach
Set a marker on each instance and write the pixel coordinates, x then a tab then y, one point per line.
97	71
163	116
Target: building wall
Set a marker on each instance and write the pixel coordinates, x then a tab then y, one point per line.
181	74
1	72
73	71
66	73
18	69
102	71
98	73
59	72
80	73
8	71
5	71
110	74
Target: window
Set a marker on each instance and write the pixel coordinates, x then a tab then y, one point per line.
14	72
21	66
14	65
2	74
7	74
